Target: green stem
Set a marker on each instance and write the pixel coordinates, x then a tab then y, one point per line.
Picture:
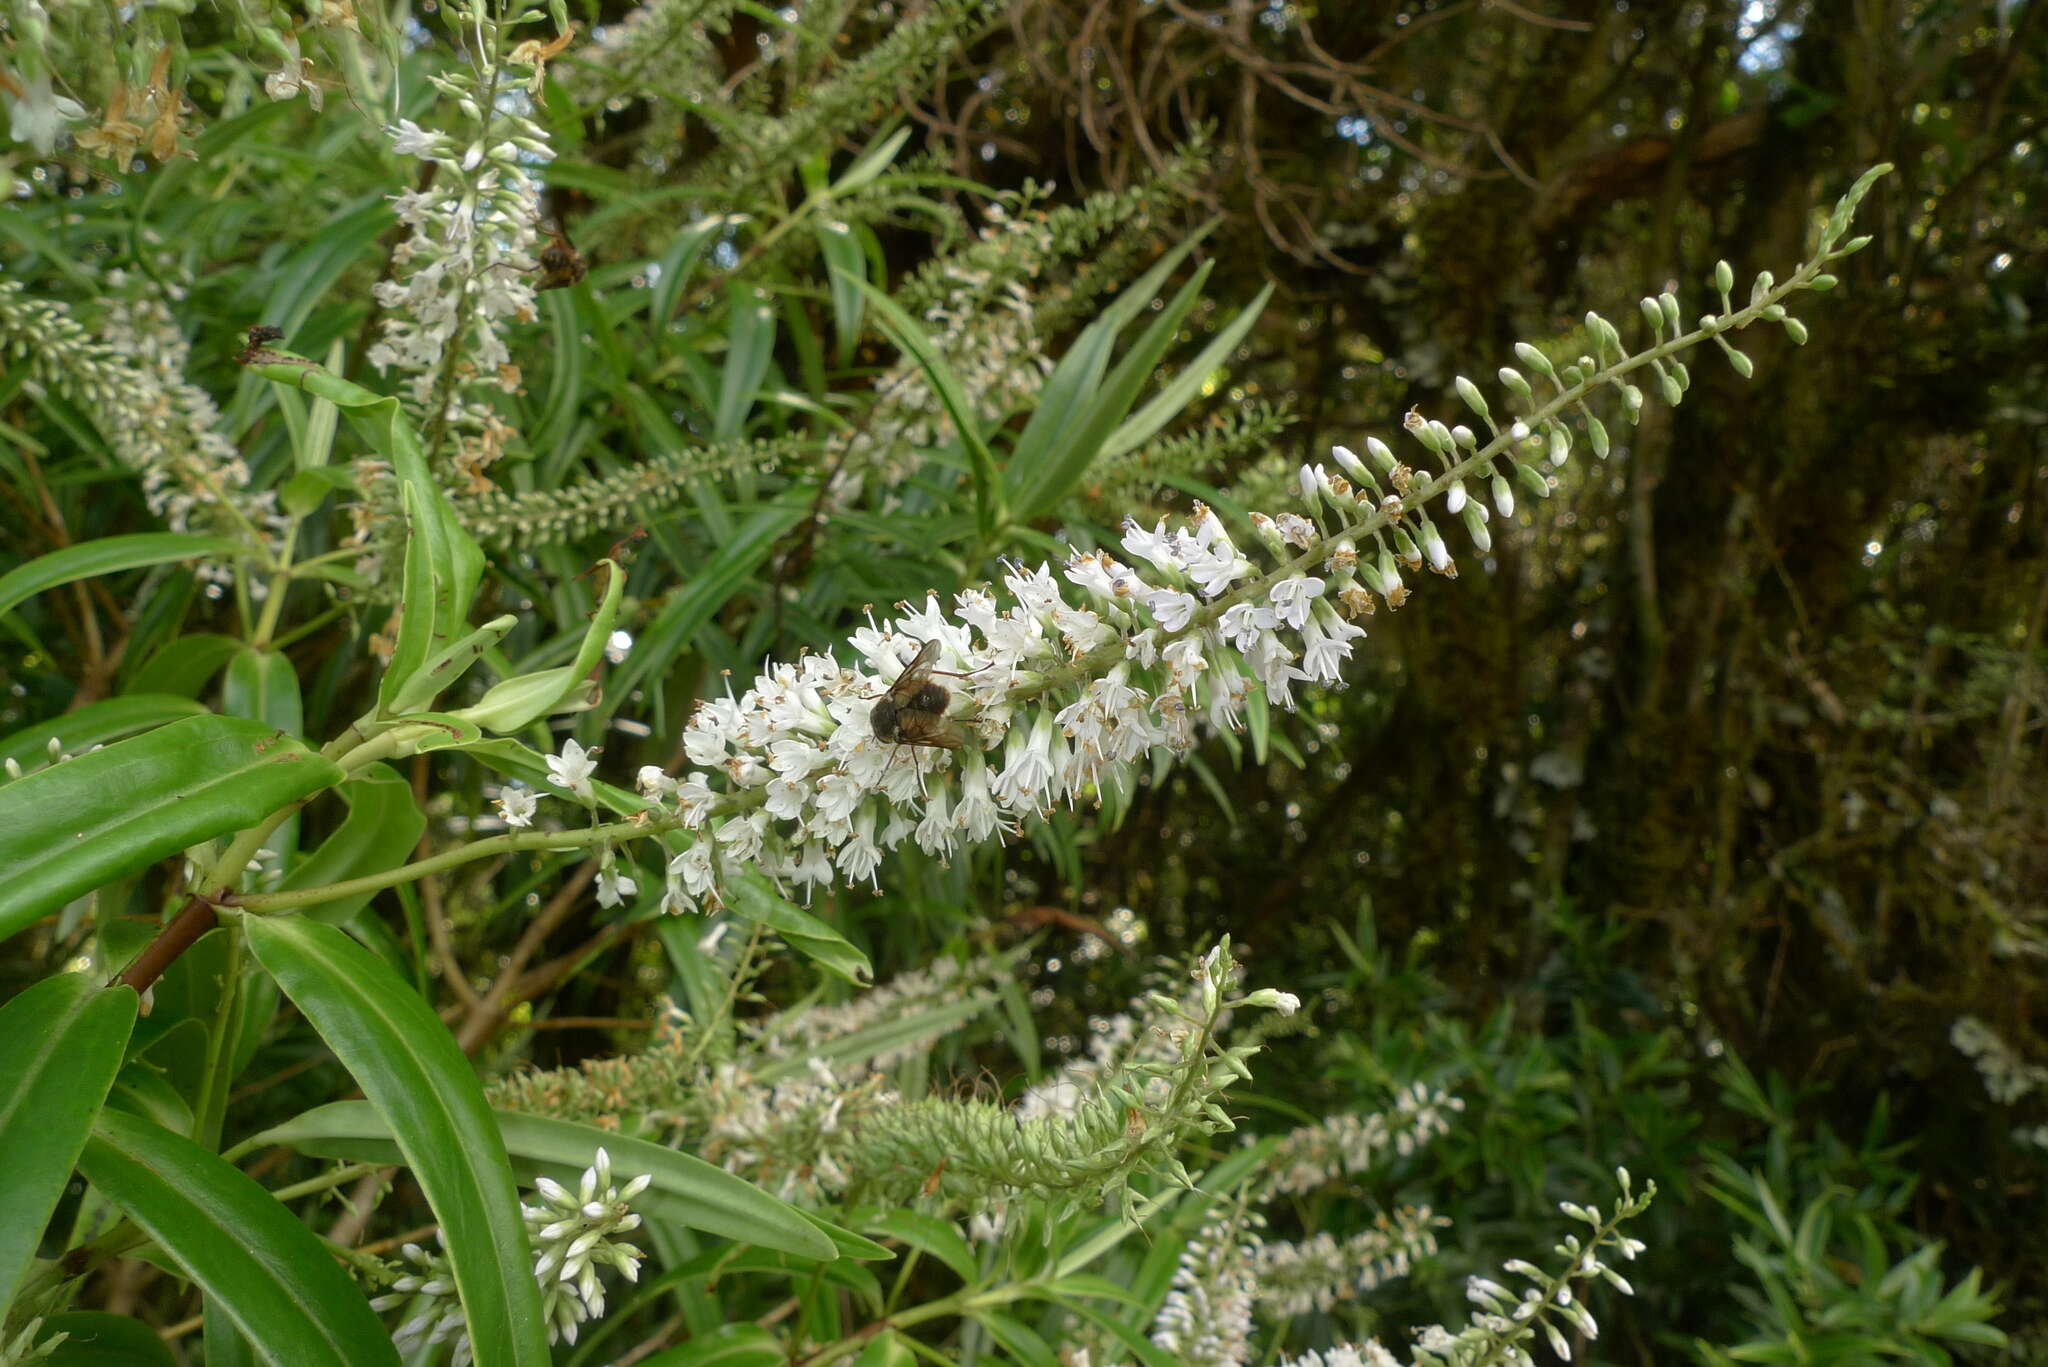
593	837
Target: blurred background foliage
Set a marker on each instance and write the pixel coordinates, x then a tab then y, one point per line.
1678	833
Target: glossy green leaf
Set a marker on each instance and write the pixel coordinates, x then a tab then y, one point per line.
60	1047
225	1344
750	346
452	562
184	666
94	1338
417	581
74	826
382	828
270	1274
99	723
142	1088
677	264
873	161
928	1234
885	1349
449	664
751	897
1019	1341
263	685
517	703
847	264
1178	392
107	555
413	1072
729	1345
686	1190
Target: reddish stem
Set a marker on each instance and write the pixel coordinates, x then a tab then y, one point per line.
191	922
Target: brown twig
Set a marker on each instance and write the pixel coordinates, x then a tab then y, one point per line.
193	920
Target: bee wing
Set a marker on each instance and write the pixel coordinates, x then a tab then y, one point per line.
915	673
928	729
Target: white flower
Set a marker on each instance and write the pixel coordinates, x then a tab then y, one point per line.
408	139
614	887
517	805
572	769
1292	599
1171	608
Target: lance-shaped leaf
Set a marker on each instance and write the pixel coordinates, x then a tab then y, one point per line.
89	559
60	1046
416	1076
449	561
383	826
95	1338
74	826
753	898
517	703
99	723
685	1189
268	1273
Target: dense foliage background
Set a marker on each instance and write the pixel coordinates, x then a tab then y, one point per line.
1680	832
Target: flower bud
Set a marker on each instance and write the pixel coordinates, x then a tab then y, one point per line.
1474	400
1512	381
1596	434
1534	359
1724	277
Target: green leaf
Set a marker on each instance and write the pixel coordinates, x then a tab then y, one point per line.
885	1350
686	1190
224	1344
75	826
750	345
754	898
263	686
1017	1339
449	664
95	1338
453	562
929	1235
872	162
517	703
677	264
184	666
270	1274
729	1345
108	555
382	828
417	587
910	338
413	1072
96	724
848	266
60	1047
1184	387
